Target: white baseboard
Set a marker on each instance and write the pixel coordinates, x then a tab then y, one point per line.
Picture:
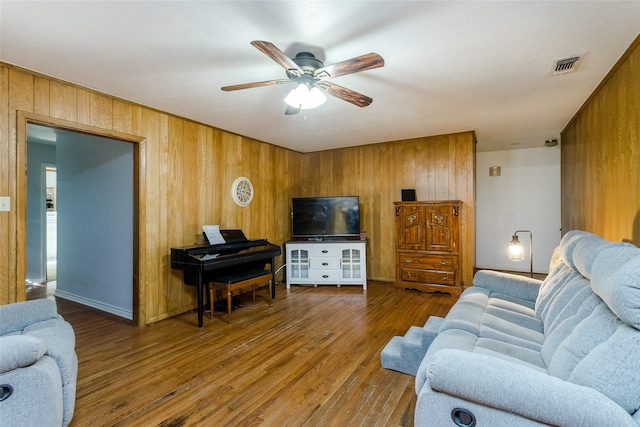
127	314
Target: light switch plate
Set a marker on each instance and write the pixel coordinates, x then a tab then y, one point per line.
5	204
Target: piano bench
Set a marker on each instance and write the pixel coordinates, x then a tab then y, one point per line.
252	279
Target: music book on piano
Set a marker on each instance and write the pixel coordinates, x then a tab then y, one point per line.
213	235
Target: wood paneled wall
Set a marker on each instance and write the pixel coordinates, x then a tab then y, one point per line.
438	168
184	173
600	160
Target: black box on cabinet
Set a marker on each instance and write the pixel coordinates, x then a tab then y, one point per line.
409	195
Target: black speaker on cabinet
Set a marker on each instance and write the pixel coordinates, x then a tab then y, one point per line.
409	195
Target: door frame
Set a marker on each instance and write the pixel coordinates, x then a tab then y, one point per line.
139	198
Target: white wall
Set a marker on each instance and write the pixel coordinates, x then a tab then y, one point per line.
525	197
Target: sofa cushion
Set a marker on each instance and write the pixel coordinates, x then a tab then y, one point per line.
466	314
590	332
561	332
616	279
528	336
568	245
585	252
18	351
578	249
551	285
613	368
568	287
510	352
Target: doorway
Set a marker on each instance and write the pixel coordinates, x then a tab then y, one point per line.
83	231
139	196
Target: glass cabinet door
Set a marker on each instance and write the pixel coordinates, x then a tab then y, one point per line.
351	264
299	260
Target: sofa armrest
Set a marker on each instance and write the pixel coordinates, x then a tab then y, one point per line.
527	392
60	342
18	351
514	285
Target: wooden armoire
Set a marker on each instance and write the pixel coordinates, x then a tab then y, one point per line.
427	246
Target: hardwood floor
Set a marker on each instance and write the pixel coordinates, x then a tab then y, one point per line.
311	359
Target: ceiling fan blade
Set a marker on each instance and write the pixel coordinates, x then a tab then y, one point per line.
277	55
350	66
290	111
255	84
346	94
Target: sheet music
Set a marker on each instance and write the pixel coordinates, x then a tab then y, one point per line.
213	234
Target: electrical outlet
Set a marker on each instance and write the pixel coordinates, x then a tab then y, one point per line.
5	204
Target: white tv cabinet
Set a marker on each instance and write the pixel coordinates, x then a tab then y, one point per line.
338	263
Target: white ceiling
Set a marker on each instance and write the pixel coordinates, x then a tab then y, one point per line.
449	66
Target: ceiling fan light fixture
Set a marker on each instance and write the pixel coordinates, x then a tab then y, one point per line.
316	98
304	98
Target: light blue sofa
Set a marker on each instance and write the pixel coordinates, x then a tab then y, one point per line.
515	351
38	365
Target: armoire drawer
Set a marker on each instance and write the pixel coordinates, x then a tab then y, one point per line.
426	261
428	276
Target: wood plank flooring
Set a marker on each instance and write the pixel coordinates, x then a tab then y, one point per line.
311	359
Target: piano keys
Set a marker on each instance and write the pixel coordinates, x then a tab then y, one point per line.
202	264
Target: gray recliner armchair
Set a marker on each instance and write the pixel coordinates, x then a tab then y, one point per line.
38	365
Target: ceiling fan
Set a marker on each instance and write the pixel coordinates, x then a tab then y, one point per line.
310	76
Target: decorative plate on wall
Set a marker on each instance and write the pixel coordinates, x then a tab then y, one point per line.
242	191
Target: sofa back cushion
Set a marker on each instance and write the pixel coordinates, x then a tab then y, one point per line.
586	251
578	251
588	332
562	271
616	279
568	245
613	368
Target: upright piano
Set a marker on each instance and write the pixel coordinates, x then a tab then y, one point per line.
203	263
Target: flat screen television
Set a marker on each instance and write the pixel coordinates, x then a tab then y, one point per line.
325	217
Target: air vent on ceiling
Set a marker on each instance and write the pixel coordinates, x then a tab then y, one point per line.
566	65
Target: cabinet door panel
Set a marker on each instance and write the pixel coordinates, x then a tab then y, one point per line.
410	230
439	229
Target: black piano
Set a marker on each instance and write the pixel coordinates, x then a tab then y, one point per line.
204	263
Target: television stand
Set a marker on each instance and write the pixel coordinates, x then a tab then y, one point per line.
337	262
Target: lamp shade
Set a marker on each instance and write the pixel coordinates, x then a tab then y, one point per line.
516	251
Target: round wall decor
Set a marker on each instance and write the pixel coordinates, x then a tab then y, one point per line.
242	191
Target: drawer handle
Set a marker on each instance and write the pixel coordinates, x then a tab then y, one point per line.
408	260
445	278
325	263
443	262
324	251
325	276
